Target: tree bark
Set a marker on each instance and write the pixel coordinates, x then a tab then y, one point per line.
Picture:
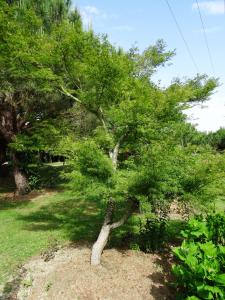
103	237
20	178
99	245
107	226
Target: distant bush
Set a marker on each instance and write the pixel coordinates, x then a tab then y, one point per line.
200	272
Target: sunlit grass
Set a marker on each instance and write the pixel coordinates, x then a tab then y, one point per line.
27	227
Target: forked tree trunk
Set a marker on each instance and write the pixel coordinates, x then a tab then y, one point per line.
22	185
107	226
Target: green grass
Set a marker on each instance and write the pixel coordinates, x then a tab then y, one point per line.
26	228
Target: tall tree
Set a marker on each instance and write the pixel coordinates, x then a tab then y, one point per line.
133	115
29	88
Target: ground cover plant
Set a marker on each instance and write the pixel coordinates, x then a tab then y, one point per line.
200	273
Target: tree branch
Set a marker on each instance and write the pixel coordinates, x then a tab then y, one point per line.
102	119
131	208
114	153
65	92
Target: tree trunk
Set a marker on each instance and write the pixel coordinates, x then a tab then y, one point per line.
102	240
99	245
4	170
2	154
107	226
20	178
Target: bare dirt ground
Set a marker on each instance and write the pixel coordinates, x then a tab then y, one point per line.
125	275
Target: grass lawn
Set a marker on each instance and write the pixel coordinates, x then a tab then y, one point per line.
28	227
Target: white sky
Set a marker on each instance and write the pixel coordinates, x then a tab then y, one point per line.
211	115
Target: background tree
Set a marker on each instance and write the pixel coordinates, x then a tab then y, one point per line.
30	81
217	139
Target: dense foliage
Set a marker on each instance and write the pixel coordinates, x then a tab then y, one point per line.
200	273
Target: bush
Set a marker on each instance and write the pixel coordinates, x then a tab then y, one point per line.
200	273
152	234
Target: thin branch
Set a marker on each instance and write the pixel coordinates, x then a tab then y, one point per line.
65	92
102	119
114	153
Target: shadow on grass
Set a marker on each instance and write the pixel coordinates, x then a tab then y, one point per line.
46	176
10	200
81	220
78	219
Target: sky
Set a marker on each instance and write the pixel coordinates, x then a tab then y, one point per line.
141	23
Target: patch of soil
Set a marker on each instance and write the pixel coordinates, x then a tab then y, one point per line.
32	196
178	211
126	275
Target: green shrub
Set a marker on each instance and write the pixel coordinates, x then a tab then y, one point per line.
200	273
152	234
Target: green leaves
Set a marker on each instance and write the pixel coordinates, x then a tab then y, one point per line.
202	264
92	162
196	229
220	280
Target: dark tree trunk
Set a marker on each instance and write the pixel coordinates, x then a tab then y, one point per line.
10	125
2	153
3	166
20	178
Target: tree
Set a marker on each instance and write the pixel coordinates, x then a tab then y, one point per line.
29	88
217	139
132	148
49	11
133	117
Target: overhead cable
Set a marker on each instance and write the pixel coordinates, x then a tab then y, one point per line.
205	37
182	35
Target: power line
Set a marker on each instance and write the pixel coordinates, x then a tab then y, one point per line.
205	37
182	36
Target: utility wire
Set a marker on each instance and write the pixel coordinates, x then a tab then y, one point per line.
182	35
205	37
